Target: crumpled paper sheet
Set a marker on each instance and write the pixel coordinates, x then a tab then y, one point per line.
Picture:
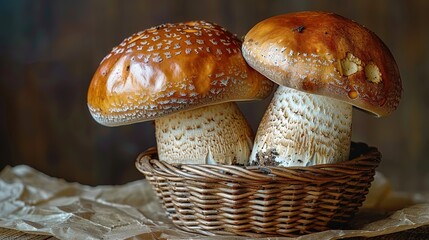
33	202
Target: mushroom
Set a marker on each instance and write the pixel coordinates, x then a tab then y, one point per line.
185	77
324	64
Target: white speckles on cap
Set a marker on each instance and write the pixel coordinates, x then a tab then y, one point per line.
198	33
172	37
284	58
224	82
176	46
131	45
215	91
225	42
152	30
213	41
157	59
106	57
167	55
218	75
146	58
191	87
156	72
118	51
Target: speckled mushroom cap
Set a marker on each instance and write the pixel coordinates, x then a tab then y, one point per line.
326	54
169	68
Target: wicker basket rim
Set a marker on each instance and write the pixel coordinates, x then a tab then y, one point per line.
364	161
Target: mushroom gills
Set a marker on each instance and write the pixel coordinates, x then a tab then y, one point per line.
302	129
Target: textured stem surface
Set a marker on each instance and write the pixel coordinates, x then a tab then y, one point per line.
301	129
217	134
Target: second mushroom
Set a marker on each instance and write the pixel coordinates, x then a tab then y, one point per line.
324	64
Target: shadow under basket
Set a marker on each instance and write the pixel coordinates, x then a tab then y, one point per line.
258	201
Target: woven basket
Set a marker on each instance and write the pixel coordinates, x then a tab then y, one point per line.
261	201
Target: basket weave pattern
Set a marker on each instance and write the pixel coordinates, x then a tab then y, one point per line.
261	201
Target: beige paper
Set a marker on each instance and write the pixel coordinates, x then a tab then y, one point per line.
33	202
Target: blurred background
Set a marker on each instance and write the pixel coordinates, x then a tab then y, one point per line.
49	51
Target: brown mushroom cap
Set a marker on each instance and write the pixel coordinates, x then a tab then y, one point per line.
169	68
326	54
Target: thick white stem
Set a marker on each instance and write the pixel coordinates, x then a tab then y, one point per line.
217	134
301	129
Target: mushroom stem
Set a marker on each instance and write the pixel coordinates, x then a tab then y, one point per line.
302	129
217	134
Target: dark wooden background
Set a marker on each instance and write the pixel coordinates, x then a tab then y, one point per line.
49	51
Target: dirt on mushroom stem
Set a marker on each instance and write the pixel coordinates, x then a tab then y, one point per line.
302	129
